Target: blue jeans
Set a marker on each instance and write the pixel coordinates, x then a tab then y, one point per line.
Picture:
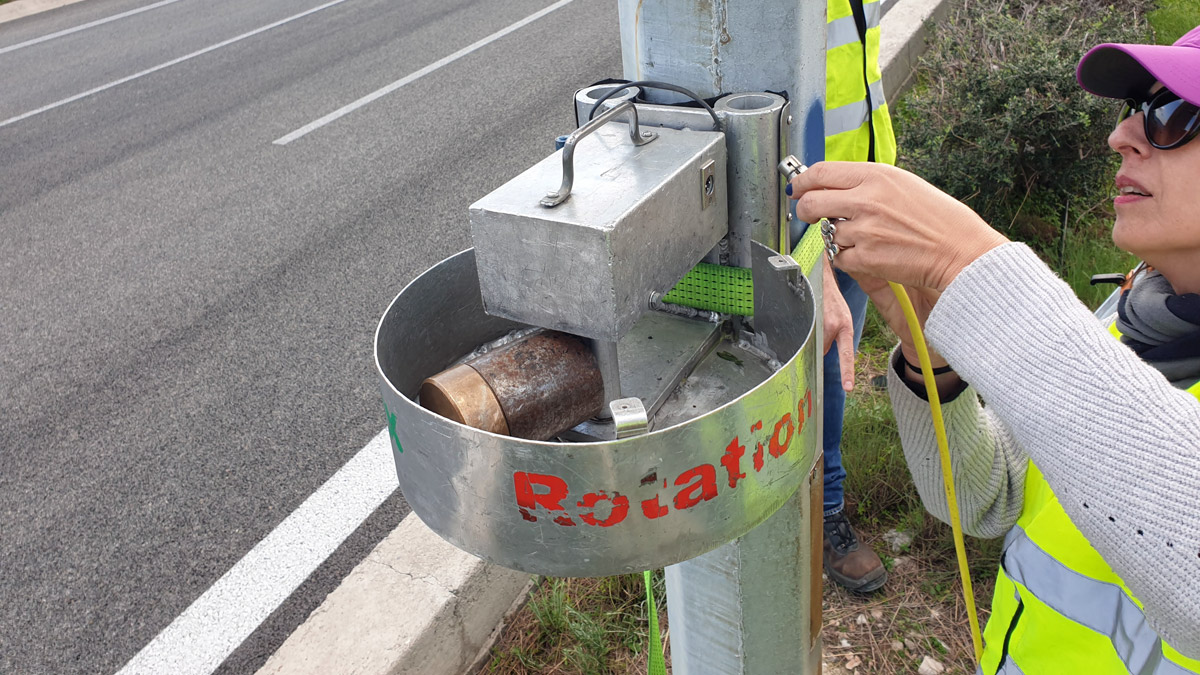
835	397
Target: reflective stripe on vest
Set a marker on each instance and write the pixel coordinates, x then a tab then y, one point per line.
844	31
1009	668
852	116
1102	607
1058	606
853	145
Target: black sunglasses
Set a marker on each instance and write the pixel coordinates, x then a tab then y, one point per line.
1169	120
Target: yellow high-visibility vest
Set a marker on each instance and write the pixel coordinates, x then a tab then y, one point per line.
1058	606
857	124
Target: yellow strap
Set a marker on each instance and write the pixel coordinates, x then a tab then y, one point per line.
809	251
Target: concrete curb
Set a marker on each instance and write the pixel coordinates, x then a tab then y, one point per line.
419	605
902	41
11	11
416	605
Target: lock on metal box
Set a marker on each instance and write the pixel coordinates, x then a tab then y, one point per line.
637	218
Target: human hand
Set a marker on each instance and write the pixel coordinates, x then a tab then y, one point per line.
838	324
888	306
894	225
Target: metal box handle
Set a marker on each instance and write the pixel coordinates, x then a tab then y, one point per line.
638	137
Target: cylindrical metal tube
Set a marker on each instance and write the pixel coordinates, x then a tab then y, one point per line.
752	139
534	388
586	98
461	394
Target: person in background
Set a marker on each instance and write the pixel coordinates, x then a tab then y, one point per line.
1086	456
857	128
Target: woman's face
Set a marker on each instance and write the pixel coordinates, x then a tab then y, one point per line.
1158	203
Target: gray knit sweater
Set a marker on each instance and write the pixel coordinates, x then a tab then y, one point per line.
1102	426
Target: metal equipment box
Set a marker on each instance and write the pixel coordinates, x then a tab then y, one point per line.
637	219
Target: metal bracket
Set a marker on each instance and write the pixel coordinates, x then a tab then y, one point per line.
788	265
783	263
629	416
637	136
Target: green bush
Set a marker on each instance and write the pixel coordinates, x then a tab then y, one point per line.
998	120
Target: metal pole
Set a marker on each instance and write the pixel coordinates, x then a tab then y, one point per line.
753	606
721	47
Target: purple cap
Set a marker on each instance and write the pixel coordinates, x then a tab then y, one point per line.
1129	71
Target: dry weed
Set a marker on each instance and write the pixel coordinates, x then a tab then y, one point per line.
860	631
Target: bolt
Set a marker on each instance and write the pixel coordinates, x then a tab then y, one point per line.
710	185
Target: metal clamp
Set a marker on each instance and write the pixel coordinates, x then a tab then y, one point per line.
637	136
629	417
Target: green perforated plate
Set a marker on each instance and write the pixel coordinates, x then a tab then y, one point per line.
730	290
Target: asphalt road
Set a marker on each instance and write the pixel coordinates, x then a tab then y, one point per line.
187	309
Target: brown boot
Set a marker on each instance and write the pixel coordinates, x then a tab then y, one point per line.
855	568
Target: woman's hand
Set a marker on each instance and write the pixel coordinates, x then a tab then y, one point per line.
923	300
838	324
895	225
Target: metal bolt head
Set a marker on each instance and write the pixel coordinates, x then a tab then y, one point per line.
708	184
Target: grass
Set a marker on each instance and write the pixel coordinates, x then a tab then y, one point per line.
919	613
1173	18
589	626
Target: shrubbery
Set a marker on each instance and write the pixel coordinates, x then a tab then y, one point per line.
998	120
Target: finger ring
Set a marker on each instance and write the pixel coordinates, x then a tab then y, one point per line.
828	231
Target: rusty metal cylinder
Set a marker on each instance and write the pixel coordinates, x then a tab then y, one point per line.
535	388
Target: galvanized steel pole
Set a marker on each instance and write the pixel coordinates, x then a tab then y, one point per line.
753	606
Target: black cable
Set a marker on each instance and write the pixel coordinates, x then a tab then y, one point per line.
655	85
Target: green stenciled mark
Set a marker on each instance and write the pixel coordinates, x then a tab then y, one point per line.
392	427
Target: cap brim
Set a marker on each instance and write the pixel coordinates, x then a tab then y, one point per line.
1129	71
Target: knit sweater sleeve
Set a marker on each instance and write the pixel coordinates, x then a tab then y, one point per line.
987	464
1104	428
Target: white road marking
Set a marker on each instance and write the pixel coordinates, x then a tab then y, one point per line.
379	93
168	64
221	619
93	24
